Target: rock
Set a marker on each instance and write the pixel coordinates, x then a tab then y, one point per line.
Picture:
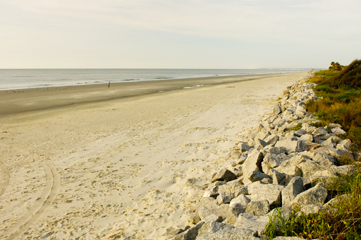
345	170
300	132
239	204
315	195
257	176
277	150
252	163
277	109
320	133
229	191
230	234
272	139
344	145
324	176
221	210
224	175
251	222
258	208
189	234
293	188
212	227
279	178
310	208
307	137
259	143
290	167
338	131
241	147
292	146
269	192
308	127
337	153
272	161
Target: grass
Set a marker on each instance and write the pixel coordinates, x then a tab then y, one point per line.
342	221
340	93
340	102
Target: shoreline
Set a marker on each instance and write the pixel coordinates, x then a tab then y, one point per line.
33	99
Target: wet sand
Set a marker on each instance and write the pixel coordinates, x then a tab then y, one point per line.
128	167
22	100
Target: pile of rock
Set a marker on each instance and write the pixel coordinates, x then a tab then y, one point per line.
283	164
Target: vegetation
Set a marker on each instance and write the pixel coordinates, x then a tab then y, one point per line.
340	90
341	99
341	221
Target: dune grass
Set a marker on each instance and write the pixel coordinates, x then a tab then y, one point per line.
340	93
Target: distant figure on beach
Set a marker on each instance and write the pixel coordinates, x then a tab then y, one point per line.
108	84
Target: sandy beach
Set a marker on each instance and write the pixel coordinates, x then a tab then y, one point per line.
130	161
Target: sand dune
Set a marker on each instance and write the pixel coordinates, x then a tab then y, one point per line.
131	167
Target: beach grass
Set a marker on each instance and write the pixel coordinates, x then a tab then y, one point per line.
340	102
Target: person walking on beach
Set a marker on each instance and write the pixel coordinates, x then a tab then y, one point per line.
108	84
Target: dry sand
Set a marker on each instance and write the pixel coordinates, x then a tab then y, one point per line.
133	166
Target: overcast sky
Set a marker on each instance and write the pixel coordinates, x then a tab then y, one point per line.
178	34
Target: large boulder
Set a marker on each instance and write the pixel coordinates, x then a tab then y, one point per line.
272	161
224	175
258	208
229	191
316	196
230	233
252	163
292	146
293	188
269	192
251	222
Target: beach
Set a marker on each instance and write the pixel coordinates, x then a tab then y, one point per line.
132	161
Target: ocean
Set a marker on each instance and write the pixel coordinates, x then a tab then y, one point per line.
40	78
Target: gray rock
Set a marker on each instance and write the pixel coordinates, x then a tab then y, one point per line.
331	141
269	192
224	175
292	146
272	161
259	143
272	139
230	234
300	132
307	137
279	178
315	195
258	208
308	127
277	109
345	145
310	208
189	234
257	176
238	205
229	191
212	227
277	150
337	153
254	223
338	131
293	188
223	211
252	163
345	170
241	147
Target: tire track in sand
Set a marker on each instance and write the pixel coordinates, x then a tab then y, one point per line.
4	178
42	203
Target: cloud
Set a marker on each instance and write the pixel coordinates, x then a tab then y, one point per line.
248	20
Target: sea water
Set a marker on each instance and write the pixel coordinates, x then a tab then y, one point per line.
40	78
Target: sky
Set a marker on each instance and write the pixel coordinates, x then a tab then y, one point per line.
228	34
